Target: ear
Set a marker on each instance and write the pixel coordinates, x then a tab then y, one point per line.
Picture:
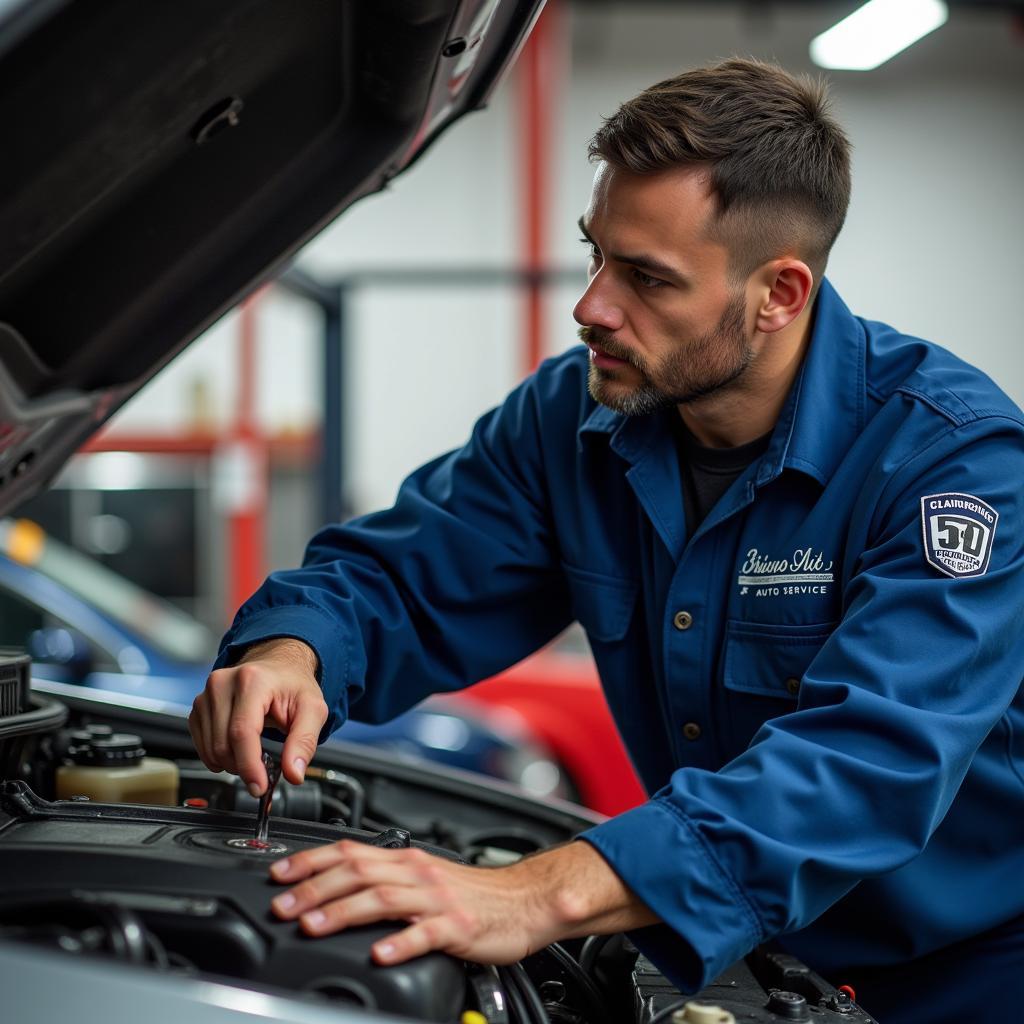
786	287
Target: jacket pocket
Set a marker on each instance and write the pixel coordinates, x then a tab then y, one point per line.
763	668
770	660
603	605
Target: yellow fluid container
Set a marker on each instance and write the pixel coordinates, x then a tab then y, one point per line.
152	780
113	768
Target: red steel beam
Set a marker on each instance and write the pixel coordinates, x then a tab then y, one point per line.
298	448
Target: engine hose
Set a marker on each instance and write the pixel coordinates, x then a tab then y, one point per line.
520	1013
353	789
127	933
592	950
591	993
157	952
337	809
529	993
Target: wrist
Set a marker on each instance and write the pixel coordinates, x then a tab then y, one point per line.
295	652
559	887
574	892
578	896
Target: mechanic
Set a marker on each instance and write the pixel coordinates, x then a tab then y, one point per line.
793	539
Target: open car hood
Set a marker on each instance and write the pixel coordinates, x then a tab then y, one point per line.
163	159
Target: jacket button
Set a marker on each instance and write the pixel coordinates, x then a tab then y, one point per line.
793	685
691	731
682	620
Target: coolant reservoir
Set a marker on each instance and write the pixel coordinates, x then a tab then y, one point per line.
699	1013
114	769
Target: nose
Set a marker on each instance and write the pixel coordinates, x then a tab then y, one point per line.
596	306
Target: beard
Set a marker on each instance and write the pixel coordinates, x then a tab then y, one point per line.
708	364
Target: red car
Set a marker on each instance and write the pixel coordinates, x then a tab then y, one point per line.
559	697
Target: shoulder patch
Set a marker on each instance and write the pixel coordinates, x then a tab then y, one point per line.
958	532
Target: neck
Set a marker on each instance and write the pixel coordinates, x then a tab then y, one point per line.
750	406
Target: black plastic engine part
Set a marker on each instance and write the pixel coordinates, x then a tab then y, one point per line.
24	716
195	903
569	994
113	749
393	839
488	992
15	670
310	801
788	1005
768	987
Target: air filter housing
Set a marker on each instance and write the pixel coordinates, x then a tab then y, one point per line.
15	670
24	716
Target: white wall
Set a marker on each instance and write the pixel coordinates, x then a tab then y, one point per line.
932	243
199	389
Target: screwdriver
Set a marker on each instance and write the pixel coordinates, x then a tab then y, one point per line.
263	814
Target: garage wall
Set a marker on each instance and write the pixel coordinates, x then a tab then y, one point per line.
932	243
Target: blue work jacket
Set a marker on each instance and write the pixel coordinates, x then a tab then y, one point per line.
819	686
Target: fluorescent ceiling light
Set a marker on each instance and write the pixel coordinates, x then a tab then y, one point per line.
875	32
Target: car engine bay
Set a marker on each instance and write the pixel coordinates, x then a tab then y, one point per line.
169	880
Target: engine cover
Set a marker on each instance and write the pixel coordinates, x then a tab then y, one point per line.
161	886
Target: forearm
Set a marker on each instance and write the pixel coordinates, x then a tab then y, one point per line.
574	892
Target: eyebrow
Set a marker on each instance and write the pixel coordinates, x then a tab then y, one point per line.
640	260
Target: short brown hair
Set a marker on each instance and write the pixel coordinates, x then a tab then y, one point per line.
778	163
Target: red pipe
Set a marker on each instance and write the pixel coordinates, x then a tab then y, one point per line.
538	88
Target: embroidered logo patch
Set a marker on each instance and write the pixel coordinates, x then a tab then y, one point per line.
806	572
958	532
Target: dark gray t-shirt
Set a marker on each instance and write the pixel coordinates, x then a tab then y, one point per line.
707	473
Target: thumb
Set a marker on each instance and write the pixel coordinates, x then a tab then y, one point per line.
303	733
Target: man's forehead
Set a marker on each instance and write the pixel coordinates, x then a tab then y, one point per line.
672	209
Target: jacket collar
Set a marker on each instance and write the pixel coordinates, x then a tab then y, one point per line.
826	408
823	415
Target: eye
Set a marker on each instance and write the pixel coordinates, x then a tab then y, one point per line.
595	253
646	281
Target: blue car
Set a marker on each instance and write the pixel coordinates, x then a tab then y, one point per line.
86	626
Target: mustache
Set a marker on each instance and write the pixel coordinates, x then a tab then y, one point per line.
593	336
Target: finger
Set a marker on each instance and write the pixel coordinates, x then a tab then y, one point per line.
198	727
303	733
219	702
243	732
379	903
344	880
195	729
307	862
439	931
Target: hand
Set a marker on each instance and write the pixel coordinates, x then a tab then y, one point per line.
273	685
488	915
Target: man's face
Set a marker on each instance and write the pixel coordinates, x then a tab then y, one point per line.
664	322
